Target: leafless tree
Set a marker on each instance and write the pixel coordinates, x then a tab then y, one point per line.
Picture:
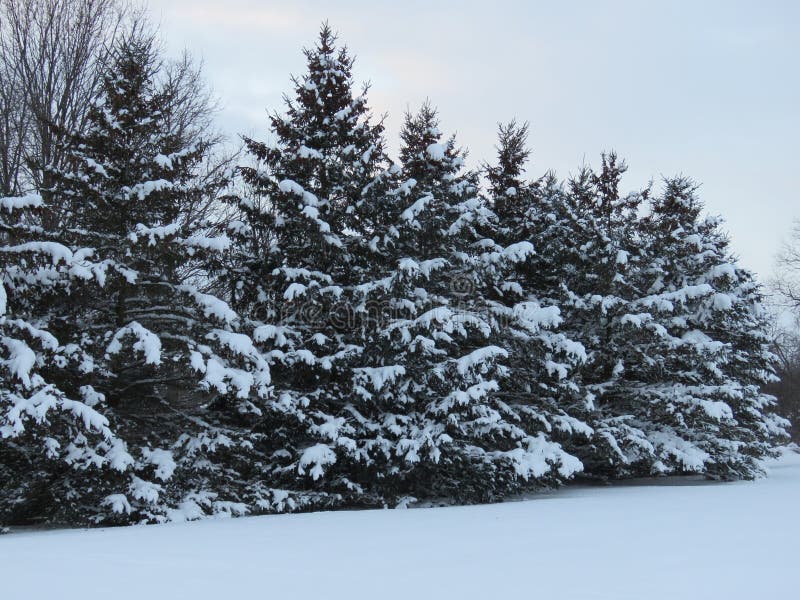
786	347
194	108
191	117
787	281
49	51
51	58
786	284
12	133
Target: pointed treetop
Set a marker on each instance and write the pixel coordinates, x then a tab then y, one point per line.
505	181
678	200
324	53
130	69
598	193
512	154
424	155
607	181
325	113
327	39
326	89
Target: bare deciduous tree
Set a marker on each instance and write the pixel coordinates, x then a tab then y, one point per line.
787	281
190	117
787	338
12	132
51	58
49	50
787	350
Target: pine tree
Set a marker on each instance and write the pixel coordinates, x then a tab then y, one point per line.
525	284
47	435
704	402
163	358
587	264
294	266
434	380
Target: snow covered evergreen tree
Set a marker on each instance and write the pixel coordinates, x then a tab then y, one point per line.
587	264
159	357
293	267
435	371
46	434
704	402
525	292
602	291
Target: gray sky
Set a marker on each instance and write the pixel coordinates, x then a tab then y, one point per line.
710	90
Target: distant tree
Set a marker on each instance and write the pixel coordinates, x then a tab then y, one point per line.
787	367
787	339
13	128
787	281
52	54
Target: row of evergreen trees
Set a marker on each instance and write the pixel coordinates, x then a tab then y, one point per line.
346	330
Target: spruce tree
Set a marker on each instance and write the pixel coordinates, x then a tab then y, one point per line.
704	401
294	267
48	436
544	362
435	375
161	356
588	261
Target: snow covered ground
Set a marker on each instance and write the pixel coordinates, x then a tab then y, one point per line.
682	540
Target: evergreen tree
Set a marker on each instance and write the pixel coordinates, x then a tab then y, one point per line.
47	435
162	357
526	292
435	371
294	266
704	403
609	260
587	264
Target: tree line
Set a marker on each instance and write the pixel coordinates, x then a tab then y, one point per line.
314	324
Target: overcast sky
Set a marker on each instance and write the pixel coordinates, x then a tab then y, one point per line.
709	91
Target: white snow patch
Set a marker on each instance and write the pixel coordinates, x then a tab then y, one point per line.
436	151
146	342
686	526
12	203
316	457
478	358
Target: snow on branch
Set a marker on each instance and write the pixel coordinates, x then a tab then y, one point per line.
146	342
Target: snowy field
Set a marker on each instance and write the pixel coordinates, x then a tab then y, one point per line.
680	540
